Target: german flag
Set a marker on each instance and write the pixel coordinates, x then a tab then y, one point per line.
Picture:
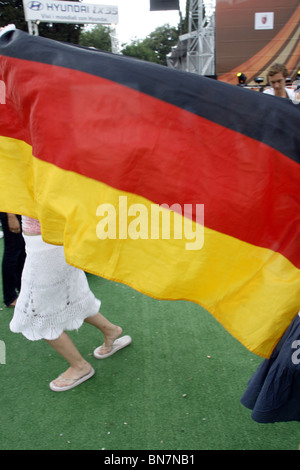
106	150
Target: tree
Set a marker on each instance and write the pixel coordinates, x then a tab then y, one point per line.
155	46
185	21
98	37
12	11
139	50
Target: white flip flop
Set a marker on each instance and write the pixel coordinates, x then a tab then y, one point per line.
55	388
118	344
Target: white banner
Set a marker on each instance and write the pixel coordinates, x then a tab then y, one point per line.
264	20
55	11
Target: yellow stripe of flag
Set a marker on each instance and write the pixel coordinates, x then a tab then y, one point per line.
101	234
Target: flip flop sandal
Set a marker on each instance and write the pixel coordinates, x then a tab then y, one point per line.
118	344
74	383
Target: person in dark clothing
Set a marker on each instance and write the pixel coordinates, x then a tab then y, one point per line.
274	389
13	257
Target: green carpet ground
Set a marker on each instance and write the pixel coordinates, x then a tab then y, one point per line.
176	387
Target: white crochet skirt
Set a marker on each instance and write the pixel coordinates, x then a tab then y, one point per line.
54	296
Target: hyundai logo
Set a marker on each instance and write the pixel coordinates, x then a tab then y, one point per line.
34	5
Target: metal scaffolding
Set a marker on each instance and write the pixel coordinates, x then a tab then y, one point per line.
201	37
195	51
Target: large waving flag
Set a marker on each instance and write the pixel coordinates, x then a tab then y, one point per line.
93	144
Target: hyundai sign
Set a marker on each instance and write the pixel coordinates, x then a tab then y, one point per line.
56	11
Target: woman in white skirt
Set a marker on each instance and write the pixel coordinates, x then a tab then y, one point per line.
56	297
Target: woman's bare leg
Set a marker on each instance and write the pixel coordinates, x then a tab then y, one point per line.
110	331
78	365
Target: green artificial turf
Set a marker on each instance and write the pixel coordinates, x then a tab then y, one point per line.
176	387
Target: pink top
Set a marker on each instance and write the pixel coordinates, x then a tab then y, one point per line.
30	225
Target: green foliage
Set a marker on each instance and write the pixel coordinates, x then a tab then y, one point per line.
98	37
61	32
155	46
185	21
139	50
11	11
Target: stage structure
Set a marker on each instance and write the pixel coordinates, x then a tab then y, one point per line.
240	37
201	38
57	11
195	51
251	35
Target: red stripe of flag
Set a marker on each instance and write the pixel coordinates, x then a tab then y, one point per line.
137	143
